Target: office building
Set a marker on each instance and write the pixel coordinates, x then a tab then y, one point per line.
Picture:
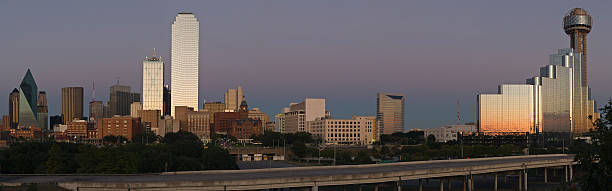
96	110
511	110
233	99
127	127
279	123
76	130
153	83
300	113
214	107
6	123
167	104
558	101
72	103
134	97
167	125
185	61
198	123
181	115
355	131
447	133
14	108
150	120
55	121
43	111
28	102
120	100
257	114
135	109
389	113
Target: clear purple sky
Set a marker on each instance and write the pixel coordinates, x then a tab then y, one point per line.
434	52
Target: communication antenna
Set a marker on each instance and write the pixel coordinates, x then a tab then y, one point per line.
93	91
458	111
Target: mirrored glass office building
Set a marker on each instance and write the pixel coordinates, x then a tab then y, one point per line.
554	102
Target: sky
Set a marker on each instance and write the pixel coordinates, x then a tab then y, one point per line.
434	52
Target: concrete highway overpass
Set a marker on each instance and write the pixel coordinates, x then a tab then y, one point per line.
310	178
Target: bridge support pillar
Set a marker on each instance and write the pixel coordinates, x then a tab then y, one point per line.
566	177
571	174
399	184
315	188
471	182
525	175
376	187
420	184
441	184
464	183
360	187
545	175
495	184
520	181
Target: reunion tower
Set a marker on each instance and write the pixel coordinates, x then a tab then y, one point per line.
577	24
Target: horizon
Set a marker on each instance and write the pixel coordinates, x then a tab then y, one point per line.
345	53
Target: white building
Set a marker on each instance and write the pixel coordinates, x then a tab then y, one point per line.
279	124
135	109
300	113
153	83
184	61
359	130
449	132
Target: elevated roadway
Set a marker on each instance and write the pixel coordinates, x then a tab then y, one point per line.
304	177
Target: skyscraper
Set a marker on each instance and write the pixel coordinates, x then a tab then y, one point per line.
72	103
14	108
96	110
389	113
28	101
233	98
120	100
153	83
184	61
43	111
167	104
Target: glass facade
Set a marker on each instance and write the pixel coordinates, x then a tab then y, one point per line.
389	113
554	102
153	84
28	101
184	61
509	111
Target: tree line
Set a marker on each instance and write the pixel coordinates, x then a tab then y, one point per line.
181	151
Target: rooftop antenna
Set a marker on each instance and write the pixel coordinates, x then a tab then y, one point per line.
93	91
458	110
154	53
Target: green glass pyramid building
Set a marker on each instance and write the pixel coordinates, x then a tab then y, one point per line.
28	99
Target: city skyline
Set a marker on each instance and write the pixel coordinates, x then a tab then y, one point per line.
352	98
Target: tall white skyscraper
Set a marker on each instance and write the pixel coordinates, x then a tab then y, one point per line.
184	61
153	83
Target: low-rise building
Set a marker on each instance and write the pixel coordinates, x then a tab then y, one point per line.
449	132
356	131
76	129
127	127
198	123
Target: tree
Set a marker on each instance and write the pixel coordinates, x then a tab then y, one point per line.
596	158
431	139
